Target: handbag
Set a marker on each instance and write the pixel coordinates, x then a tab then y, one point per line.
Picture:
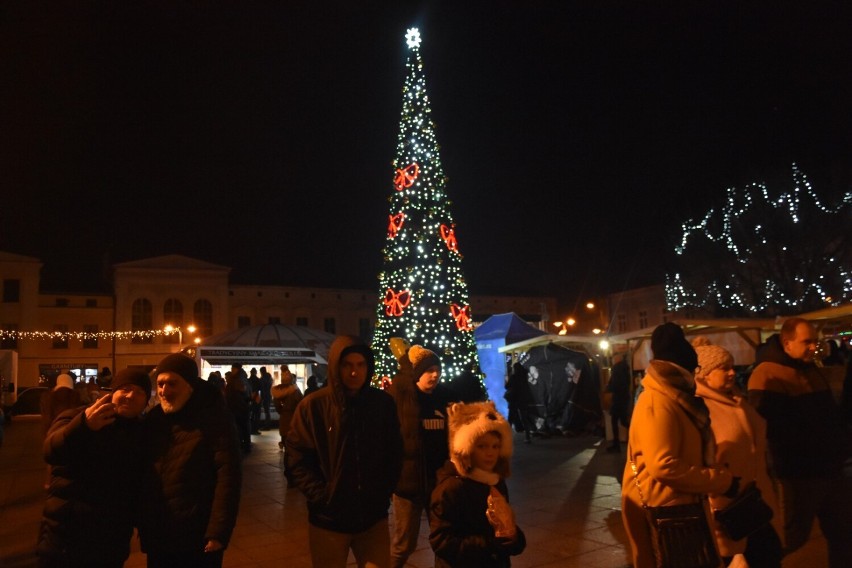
747	513
680	534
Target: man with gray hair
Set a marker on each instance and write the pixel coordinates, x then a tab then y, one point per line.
193	474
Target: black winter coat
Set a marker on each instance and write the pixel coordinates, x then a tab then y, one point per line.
461	535
193	475
91	503
345	453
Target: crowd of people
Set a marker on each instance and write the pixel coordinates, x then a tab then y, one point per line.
695	436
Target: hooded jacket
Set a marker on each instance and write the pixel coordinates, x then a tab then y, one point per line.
674	460
92	500
805	430
345	452
194	476
740	435
460	532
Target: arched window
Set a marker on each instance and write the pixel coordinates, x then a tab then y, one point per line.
142	319
202	312
172	315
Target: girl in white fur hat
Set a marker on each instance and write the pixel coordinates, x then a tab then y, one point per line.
472	523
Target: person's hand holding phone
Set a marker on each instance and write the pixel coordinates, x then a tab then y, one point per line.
101	413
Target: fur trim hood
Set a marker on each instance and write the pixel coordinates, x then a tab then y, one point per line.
467	422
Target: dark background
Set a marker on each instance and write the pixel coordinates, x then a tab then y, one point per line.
577	136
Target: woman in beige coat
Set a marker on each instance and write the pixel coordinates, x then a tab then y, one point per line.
670	442
740	434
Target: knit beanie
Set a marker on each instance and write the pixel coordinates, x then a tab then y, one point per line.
710	358
467	422
132	377
421	359
669	343
179	364
64	381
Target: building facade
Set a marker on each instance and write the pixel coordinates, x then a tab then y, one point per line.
83	333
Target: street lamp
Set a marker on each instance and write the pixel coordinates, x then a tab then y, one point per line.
563	326
170	329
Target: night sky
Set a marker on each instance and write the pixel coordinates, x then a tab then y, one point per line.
577	137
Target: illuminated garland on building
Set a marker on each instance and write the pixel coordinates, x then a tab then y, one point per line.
765	255
13	334
423	290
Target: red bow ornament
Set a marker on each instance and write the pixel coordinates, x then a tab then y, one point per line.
395	302
395	224
406	177
449	236
462	316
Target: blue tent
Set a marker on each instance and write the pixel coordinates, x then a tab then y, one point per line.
496	332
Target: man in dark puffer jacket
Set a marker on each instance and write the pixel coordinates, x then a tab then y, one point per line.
94	483
193	477
807	440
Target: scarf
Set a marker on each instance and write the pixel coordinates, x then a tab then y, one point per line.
679	385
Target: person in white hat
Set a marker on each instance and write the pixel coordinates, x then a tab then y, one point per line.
472	523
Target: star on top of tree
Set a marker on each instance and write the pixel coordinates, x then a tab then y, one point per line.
412	38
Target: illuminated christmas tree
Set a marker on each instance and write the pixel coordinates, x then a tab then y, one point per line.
766	256
424	297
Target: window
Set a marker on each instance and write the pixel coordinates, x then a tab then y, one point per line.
365	329
643	319
622	323
202	312
9	341
243	321
11	290
61	302
90	342
141	319
274	320
302	322
329	325
60	341
172	315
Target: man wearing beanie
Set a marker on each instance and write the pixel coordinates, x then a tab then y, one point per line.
191	490
670	443
421	404
344	453
95	475
808	441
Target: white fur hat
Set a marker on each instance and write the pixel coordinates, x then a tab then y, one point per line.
64	381
467	422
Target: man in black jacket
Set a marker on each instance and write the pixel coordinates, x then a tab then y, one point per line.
807	440
94	457
193	477
344	452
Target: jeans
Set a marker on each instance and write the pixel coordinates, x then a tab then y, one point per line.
330	549
407	515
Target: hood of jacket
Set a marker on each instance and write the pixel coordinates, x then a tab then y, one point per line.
340	347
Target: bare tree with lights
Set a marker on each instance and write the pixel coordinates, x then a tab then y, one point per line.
765	256
424	296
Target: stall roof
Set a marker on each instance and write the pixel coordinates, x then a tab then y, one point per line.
836	316
270	343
